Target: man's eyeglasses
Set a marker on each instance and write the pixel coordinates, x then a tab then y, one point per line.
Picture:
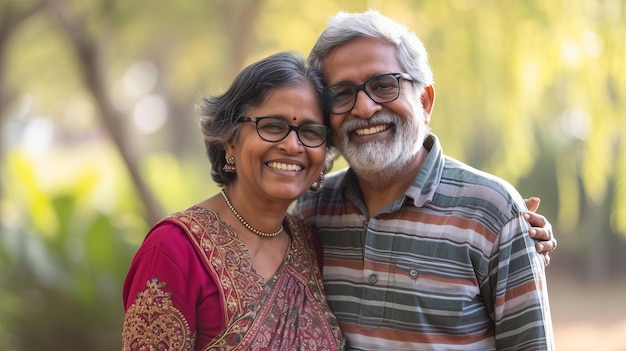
341	98
275	129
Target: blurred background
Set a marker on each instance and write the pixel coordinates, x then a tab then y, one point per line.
99	138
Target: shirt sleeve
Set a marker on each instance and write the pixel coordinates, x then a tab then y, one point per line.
516	293
166	291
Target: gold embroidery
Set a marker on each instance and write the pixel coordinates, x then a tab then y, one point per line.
269	319
153	323
227	257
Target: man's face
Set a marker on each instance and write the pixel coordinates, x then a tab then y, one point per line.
374	137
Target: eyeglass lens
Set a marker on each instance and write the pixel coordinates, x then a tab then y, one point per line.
381	89
276	129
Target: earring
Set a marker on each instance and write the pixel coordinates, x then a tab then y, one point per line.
229	167
317	184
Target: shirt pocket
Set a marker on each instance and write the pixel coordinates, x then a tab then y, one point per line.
431	290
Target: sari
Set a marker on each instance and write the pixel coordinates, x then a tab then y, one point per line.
192	286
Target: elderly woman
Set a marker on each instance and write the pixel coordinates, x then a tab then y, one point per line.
235	271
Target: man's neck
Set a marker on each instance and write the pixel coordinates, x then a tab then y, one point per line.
378	192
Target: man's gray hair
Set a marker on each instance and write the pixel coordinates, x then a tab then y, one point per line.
344	27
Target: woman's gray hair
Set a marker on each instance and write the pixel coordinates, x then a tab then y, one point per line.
250	88
344	27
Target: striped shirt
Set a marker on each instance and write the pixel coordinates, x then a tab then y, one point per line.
447	266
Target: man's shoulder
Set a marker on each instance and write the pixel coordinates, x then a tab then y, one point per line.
458	170
469	179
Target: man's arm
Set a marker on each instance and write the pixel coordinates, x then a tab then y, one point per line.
517	289
541	231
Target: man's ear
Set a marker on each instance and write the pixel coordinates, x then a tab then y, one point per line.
428	101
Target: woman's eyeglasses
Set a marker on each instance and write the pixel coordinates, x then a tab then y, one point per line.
275	129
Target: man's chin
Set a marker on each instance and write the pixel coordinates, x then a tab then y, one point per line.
368	161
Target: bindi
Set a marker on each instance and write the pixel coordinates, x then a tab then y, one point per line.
294	118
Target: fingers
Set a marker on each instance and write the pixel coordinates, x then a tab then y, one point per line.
545	247
538	221
542	232
532	203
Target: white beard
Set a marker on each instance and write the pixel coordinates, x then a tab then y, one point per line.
379	161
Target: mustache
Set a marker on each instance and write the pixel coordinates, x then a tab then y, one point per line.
379	118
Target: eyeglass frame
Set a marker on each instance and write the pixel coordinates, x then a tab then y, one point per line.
290	127
359	87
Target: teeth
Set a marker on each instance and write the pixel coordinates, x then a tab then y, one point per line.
284	166
371	130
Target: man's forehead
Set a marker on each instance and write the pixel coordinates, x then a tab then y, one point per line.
359	59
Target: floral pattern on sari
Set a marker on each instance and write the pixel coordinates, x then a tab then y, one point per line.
226	257
153	323
289	312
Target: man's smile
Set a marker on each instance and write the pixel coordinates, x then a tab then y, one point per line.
371	130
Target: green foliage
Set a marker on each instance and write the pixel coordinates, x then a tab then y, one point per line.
63	262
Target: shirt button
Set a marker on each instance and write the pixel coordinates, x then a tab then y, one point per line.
373	278
413	273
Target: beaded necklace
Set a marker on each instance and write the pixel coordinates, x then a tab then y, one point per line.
243	221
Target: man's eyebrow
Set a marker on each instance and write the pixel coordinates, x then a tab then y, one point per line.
372	75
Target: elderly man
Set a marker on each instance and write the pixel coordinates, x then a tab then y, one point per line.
421	251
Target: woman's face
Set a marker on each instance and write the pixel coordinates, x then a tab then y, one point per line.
283	170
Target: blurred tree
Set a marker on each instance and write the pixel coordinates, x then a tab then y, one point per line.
85	43
12	15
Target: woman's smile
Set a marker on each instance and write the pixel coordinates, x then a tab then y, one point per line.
283	166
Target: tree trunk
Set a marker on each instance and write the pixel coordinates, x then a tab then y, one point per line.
87	55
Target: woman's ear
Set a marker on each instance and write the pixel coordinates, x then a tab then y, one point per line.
228	149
